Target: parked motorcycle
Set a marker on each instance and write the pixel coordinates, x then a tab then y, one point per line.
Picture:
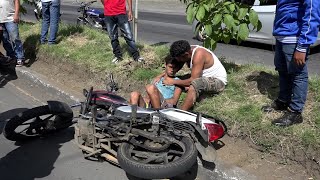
146	143
89	16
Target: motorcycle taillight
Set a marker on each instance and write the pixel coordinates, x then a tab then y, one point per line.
215	131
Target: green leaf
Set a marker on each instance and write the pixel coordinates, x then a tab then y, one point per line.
243	32
217	19
213	44
253	18
208	29
259	25
242	13
206	7
201	13
190	13
228	21
232	7
207	43
226	38
226	3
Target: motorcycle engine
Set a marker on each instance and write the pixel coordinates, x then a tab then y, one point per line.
84	131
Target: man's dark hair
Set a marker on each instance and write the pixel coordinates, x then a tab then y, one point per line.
179	47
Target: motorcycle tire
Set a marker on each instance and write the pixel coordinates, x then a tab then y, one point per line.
60	122
157	171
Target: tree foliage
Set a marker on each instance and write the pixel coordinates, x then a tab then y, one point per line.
223	20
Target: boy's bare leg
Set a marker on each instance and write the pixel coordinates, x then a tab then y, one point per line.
136	99
190	99
154	95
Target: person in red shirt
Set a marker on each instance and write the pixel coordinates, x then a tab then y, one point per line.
117	17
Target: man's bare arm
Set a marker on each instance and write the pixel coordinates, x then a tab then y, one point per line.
16	11
130	5
196	71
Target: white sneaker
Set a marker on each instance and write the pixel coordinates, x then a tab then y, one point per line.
116	60
140	60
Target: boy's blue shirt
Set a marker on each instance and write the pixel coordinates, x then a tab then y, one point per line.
167	91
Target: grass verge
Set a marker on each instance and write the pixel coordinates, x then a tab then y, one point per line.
249	88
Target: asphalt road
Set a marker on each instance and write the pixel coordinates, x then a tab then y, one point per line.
158	28
52	158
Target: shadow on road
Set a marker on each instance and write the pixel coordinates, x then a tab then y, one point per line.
7	73
8	115
35	159
267	83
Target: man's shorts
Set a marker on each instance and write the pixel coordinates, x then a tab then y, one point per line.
207	85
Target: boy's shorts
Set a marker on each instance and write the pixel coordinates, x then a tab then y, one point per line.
163	103
207	85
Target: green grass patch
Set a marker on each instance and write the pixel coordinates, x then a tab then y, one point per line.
249	87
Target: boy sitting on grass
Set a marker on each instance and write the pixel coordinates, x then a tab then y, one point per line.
160	95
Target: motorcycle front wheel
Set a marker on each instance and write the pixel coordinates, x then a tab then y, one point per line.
175	160
34	122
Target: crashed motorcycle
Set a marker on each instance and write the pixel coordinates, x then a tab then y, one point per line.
146	143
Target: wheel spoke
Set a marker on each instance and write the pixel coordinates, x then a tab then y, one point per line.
27	123
175	152
36	121
23	130
47	118
150	159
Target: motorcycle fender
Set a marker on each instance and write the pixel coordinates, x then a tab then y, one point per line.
57	107
208	153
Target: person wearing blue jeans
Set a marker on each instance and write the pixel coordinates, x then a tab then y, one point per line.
116	17
9	18
50	20
296	27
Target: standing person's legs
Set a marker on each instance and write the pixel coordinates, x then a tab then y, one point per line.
299	80
112	28
13	31
54	21
298	84
126	30
45	21
284	95
7	45
283	56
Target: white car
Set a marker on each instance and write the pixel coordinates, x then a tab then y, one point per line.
266	13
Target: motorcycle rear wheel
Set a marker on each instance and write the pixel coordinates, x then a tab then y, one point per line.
34	125
133	165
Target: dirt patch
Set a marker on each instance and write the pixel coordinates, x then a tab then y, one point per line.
234	152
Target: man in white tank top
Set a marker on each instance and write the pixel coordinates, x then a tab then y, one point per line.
208	76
